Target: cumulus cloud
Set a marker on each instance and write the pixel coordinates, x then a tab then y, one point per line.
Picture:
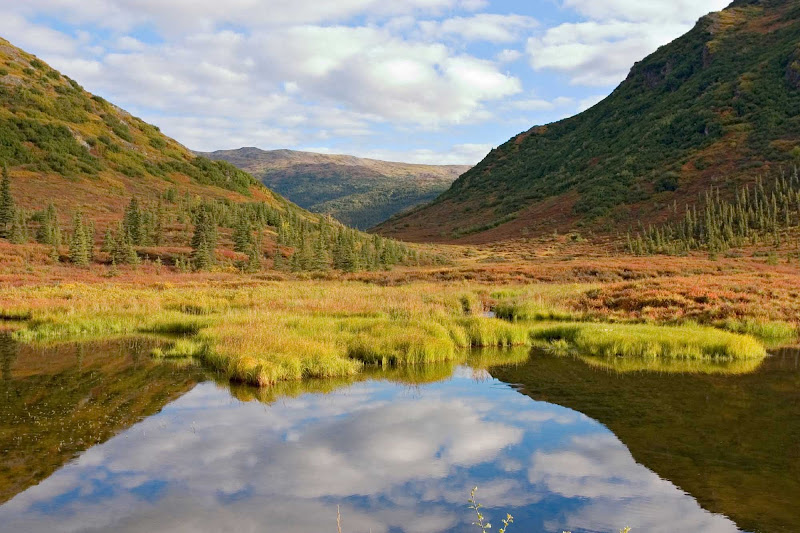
653	10
600	51
481	27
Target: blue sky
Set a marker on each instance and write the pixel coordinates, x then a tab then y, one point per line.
431	81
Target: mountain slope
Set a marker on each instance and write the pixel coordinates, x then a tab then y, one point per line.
718	106
358	192
64	145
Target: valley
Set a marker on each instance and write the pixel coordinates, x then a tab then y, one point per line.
597	325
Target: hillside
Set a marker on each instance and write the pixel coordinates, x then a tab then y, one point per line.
358	192
97	185
718	106
75	148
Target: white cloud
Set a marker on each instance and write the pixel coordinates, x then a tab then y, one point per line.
29	36
508	56
481	27
687	11
459	154
600	51
590	101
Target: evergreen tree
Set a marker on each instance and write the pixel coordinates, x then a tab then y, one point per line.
321	261
123	251
243	235
49	231
132	222
109	242
19	228
158	227
253	259
79	245
278	261
204	240
6	204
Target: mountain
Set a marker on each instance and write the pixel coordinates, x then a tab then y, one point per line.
67	146
358	192
719	106
78	163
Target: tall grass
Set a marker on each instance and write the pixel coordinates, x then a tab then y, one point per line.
762	329
536	303
287	331
649	341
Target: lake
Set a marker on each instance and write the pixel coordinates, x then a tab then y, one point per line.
99	437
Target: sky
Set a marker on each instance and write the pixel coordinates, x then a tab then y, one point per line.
426	81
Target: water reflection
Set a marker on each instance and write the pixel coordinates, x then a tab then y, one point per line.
731	441
57	401
396	458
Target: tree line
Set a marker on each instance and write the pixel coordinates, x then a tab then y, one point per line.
303	242
755	214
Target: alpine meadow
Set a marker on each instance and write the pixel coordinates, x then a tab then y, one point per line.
591	327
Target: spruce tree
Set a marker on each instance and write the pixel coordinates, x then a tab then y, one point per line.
79	245
19	228
204	240
132	221
49	231
6	204
243	235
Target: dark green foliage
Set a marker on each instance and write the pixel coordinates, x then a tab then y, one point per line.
243	240
132	223
120	246
49	231
55	149
755	214
81	241
218	173
204	240
19	234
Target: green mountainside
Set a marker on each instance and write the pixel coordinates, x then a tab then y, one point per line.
718	106
358	192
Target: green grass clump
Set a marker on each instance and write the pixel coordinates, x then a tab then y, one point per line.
489	332
181	348
536	303
648	341
762	329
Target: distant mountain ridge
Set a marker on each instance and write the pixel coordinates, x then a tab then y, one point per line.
718	107
358	192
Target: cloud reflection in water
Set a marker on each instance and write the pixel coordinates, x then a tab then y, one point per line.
394	458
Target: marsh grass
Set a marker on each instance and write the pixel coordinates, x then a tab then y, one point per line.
649	341
773	331
536	303
288	331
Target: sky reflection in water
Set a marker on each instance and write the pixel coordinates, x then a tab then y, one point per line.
395	458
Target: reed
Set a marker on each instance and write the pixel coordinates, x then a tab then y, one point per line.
271	332
649	341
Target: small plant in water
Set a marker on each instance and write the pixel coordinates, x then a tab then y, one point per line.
482	524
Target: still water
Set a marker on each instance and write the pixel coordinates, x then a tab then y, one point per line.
101	438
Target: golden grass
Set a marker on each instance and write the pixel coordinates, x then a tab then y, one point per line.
272	332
